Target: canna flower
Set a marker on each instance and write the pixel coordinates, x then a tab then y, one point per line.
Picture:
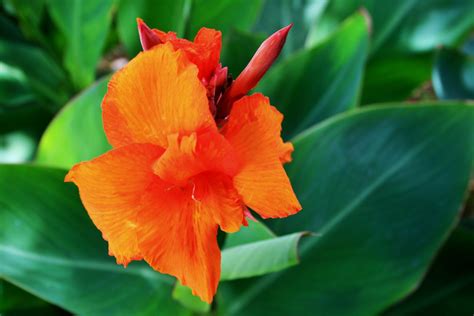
177	172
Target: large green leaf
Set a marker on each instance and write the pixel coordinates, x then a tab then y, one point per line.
382	187
223	15
453	75
448	289
432	23
51	248
166	15
404	25
84	25
401	28
76	133
317	83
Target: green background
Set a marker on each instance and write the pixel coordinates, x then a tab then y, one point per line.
376	97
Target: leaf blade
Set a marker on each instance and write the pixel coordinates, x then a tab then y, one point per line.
261	257
367	209
54	252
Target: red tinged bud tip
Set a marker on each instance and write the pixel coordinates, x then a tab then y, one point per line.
261	61
148	38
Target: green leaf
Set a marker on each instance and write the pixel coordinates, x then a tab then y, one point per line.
317	83
14	297
431	23
84	25
165	15
184	295
223	15
76	133
367	182
260	257
44	75
405	25
395	78
453	75
15	302
448	288
51	248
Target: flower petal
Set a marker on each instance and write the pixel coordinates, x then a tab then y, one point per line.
111	187
177	233
207	57
204	52
221	200
156	94
190	155
253	130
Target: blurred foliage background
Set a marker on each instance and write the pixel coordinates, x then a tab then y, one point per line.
375	96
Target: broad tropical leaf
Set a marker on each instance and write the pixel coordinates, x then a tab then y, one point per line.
53	250
367	182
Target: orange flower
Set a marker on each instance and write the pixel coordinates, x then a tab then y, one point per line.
174	175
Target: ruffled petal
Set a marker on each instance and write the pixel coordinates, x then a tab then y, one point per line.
210	43
220	200
191	155
253	130
156	94
111	187
204	52
177	231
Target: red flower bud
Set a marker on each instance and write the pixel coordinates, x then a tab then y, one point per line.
261	61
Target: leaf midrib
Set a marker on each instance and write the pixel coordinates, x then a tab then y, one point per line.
83	264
